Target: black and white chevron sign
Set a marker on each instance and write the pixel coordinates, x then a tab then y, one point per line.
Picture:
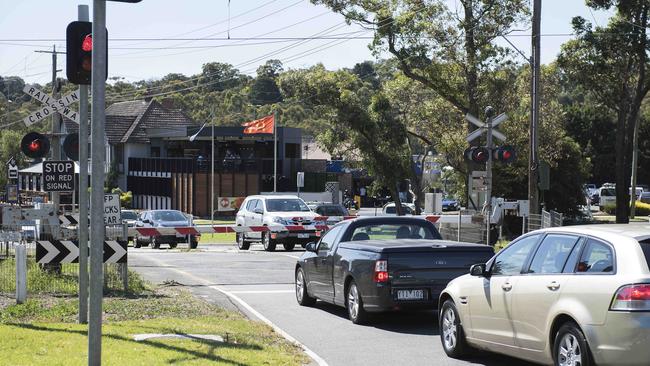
69	220
67	251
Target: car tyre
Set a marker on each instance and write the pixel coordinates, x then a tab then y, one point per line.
570	346
452	335
267	242
242	244
354	305
194	244
302	295
289	246
173	245
137	243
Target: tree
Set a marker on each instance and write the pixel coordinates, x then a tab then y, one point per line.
363	124
217	76
611	63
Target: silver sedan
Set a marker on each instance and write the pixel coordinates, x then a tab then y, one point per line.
564	296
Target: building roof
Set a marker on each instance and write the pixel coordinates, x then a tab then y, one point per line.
129	121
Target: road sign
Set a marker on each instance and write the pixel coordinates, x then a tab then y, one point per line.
58	176
12	169
112	213
300	180
482	127
67	251
479	181
52	105
12	193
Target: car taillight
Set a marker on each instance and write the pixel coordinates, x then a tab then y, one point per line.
632	298
381	271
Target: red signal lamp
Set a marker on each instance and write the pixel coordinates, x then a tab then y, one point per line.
87	43
505	154
477	154
35	145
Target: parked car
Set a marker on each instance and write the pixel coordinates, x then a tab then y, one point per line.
390	209
375	264
607	196
129	217
333	211
274	210
566	296
589	189
450	204
645	197
161	219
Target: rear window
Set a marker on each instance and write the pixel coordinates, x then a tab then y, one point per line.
393	231
645	246
331	210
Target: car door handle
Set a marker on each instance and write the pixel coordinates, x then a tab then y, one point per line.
506	286
553	286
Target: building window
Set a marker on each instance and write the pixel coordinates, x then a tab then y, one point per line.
119	157
155	151
292	151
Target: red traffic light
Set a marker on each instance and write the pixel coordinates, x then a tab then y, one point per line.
505	154
87	43
71	146
35	145
477	154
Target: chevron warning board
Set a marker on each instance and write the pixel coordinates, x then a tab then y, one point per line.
67	251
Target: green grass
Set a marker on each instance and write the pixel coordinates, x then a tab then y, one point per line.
220	238
43	332
63	282
216	222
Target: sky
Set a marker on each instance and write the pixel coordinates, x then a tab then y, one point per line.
22	22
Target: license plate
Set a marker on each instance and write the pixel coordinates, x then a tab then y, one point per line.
303	236
413	294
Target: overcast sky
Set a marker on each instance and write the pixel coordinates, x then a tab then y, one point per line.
21	22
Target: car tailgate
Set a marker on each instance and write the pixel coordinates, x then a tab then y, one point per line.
434	265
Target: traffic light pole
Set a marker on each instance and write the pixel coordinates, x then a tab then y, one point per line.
489	113
97	229
83	190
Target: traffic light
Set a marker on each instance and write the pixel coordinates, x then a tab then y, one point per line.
79	55
71	146
477	154
35	145
505	154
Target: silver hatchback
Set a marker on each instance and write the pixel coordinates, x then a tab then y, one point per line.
565	296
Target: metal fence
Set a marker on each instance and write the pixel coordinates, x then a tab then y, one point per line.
55	279
475	230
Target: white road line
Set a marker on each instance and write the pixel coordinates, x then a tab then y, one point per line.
263	292
287	336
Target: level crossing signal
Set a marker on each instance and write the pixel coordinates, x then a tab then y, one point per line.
35	145
79	55
71	146
477	154
505	154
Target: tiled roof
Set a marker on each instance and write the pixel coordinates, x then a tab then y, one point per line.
128	121
155	116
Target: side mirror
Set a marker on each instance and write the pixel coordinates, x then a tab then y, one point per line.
311	247
258	211
478	270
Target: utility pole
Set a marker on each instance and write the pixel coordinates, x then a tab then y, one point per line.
83	190
489	113
56	121
98	166
533	162
275	150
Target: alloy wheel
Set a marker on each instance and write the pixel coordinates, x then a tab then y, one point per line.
570	353
300	284
353	301
449	329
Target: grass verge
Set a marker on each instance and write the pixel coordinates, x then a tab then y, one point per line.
217	238
43	332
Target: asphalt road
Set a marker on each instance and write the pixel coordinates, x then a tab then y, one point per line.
260	285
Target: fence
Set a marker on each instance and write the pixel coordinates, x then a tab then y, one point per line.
475	230
53	279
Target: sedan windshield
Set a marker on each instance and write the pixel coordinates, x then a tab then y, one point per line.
331	210
169	216
129	215
286	205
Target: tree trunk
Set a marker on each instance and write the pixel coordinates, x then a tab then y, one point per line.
398	204
621	169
